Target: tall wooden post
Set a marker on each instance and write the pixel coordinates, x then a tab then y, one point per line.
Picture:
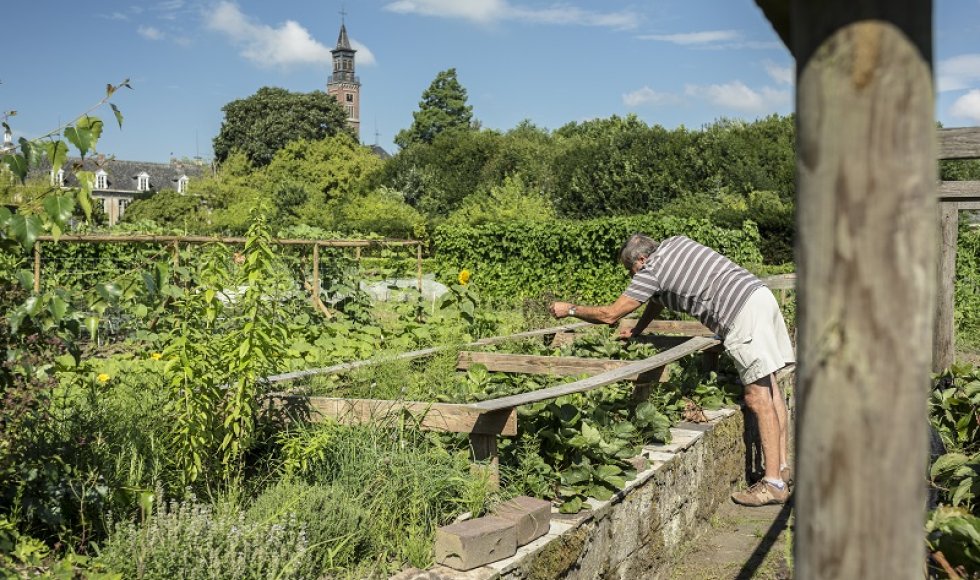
866	171
944	342
316	273
37	267
418	263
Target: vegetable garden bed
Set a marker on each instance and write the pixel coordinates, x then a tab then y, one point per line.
561	413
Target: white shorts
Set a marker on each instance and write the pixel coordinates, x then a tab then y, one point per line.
758	340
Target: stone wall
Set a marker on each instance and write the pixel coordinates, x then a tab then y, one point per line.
637	532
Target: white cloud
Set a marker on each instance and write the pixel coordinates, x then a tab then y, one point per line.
648	96
967	106
737	95
491	11
783	75
169	5
958	72
149	32
364	55
289	44
695	38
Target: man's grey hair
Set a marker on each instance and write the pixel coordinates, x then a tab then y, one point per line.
638	246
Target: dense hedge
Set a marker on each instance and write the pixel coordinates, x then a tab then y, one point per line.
571	259
968	288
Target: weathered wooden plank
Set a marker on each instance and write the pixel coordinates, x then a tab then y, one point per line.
944	333
781	282
556	366
559	366
866	257
161	239
959	143
659	360
350	366
959	191
428	416
968	206
685	327
530	334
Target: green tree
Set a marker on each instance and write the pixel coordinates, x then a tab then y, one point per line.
442	108
230	194
319	175
512	201
437	177
262	124
169	208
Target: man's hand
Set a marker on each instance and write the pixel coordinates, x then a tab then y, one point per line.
625	333
559	309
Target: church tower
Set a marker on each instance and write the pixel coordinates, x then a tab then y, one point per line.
343	84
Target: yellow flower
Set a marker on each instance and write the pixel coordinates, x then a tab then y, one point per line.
156	356
464	277
103	378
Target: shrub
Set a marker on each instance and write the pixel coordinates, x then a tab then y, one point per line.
573	259
335	523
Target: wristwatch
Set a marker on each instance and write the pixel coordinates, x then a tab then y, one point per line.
571	310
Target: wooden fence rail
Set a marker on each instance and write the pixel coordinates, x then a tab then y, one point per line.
175	241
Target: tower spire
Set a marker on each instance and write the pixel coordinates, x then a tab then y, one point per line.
343	84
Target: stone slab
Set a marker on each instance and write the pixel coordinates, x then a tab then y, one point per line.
531	517
473	543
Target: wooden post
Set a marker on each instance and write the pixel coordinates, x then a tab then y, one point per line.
316	273
37	267
418	260
866	258
176	255
944	341
485	449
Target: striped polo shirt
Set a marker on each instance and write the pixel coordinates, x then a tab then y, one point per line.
686	276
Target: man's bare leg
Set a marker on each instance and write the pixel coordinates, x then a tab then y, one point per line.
759	399
779	402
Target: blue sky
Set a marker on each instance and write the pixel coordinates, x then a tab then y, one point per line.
671	62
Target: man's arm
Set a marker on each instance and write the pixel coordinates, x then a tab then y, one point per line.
649	313
598	314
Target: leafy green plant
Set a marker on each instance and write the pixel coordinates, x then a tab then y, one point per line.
954	407
215	378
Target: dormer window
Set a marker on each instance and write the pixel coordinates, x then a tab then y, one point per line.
58	178
143	182
182	184
101	179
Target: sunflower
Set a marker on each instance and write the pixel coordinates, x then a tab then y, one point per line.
464	277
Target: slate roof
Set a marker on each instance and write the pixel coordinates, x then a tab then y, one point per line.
342	42
122	176
381	153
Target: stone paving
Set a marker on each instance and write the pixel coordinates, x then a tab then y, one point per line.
741	543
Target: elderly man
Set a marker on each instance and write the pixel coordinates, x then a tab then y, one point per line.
683	275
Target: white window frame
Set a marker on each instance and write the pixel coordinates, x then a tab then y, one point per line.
101	179
182	182
121	204
143	182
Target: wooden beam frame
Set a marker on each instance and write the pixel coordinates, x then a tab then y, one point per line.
411	355
427	416
684	327
662	359
556	366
